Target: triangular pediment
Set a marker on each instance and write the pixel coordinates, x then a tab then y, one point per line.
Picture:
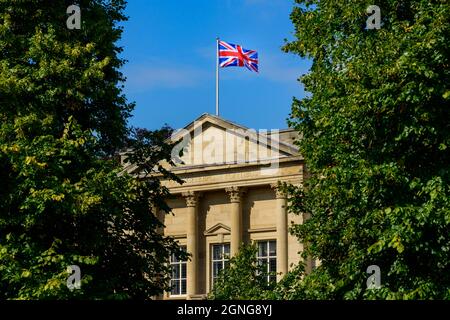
214	140
217	229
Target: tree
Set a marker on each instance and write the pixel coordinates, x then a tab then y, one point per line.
63	199
243	278
51	70
376	137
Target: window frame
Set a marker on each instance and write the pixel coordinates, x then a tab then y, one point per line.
270	275
224	260
180	264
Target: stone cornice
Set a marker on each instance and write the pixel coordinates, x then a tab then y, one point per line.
228	166
294	179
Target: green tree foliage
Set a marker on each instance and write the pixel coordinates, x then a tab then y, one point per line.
243	278
51	70
376	138
62	200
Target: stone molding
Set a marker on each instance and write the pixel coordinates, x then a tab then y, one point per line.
235	193
191	198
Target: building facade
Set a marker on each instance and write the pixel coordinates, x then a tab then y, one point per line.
230	196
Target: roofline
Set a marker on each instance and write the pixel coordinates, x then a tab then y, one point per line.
292	148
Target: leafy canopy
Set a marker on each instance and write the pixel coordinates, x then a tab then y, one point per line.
376	139
243	279
63	199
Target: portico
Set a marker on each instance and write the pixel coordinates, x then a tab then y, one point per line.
230	196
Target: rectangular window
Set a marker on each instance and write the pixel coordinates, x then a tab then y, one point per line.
178	279
267	257
220	257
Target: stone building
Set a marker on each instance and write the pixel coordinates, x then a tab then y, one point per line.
229	197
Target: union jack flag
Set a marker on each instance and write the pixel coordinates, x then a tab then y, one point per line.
232	55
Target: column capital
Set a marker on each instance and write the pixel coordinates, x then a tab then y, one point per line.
191	198
235	193
279	192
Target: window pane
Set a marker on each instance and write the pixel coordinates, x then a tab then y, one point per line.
183	287
183	270
176	271
217	266
175	287
272	248
217	252
262	249
273	265
263	265
226	249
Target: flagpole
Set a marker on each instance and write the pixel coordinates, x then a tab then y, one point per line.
217	76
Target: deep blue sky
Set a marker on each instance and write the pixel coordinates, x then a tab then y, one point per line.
171	50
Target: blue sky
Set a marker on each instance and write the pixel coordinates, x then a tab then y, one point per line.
171	50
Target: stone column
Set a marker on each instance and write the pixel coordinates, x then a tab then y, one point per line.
282	231
235	194
192	246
